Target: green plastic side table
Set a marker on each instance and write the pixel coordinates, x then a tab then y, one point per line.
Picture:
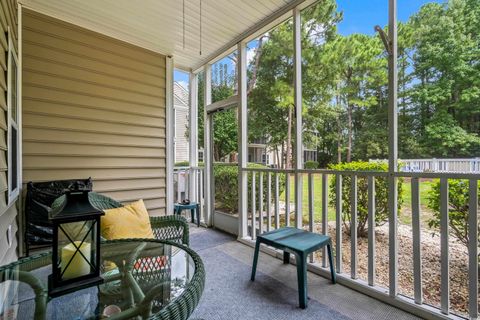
300	243
194	208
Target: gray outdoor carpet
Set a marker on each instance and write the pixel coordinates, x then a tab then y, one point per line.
208	239
229	293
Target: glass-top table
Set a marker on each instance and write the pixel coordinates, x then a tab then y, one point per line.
141	278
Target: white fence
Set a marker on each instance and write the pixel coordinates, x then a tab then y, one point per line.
471	165
441	165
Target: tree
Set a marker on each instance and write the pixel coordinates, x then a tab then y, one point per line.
359	69
271	104
446	82
225	123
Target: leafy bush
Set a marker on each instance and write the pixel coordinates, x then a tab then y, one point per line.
182	164
381	195
226	186
186	164
458	199
311	165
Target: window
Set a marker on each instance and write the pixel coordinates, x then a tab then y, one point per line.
13	120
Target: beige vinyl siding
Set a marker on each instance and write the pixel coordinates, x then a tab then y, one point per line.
93	107
8	215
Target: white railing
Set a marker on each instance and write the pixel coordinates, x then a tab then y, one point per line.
265	214
188	184
471	165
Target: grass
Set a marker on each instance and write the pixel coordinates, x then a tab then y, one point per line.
405	212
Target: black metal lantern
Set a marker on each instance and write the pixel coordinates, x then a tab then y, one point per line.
76	244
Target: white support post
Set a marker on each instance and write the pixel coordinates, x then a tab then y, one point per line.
242	141
193	135
473	249
170	134
20	125
392	148
207	148
297	87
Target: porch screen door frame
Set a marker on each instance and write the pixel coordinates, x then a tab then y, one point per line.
210	110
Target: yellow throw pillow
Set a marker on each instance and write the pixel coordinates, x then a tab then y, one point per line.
130	221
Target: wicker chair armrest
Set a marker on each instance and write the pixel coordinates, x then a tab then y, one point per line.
171	227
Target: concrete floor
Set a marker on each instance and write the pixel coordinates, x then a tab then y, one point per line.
348	302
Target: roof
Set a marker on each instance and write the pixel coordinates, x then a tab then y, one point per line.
180	95
157	25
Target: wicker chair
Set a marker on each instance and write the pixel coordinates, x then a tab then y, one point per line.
172	227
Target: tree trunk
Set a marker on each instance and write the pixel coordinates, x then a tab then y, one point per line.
350	132
339	130
277	156
289	137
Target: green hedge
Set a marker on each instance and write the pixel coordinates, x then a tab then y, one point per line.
381	195
226	186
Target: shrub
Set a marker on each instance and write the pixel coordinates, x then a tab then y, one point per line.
381	195
186	164
458	199
310	165
182	164
226	186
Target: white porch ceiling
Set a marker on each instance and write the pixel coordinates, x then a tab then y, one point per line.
157	25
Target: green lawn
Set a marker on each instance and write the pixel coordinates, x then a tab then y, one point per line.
405	213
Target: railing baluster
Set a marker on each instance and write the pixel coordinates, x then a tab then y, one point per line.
287	201
277	202
324	215
444	267
254	209
200	186
260	201
473	249
269	201
187	183
338	228
179	194
353	227
310	207
371	230
417	250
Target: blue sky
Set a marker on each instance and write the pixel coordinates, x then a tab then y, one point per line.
359	16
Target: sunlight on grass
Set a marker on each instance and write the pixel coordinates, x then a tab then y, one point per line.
405	212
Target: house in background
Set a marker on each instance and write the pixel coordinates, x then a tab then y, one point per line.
259	152
180	107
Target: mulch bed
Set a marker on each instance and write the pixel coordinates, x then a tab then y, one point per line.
430	264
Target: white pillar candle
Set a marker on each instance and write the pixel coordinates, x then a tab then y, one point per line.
79	266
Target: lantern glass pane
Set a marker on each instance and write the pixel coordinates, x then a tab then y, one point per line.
76	241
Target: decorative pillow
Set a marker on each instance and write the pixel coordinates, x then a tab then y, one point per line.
130	221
